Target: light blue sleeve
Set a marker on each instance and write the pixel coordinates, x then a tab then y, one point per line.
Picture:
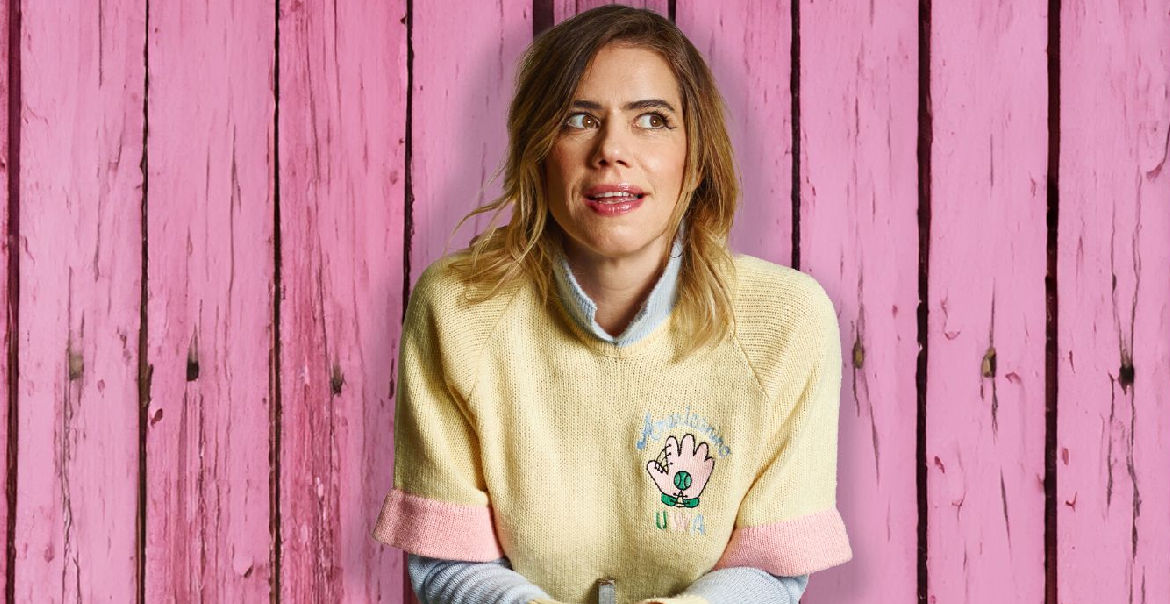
437	581
745	584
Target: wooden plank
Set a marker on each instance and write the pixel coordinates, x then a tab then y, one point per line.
8	166
459	102
563	9
210	280
342	138
859	238
460	98
748	44
1113	454
985	390
80	266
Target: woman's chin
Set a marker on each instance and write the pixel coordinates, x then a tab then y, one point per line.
614	250
612	242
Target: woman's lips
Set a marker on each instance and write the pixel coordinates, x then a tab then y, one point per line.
627	188
615	206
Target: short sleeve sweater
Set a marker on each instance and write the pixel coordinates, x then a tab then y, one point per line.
518	434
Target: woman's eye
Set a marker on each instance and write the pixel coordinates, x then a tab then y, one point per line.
653	120
580	120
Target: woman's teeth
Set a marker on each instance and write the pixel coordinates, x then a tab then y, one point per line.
615	197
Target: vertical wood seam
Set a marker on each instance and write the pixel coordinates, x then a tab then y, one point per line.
794	94
542	16
408	183
275	414
408	222
925	148
13	318
144	367
1052	304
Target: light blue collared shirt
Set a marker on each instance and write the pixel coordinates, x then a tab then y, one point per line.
653	312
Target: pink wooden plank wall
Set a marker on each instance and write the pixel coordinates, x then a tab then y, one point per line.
75	431
985	415
748	46
217	212
1113	441
7	292
859	237
210	273
342	152
459	118
563	9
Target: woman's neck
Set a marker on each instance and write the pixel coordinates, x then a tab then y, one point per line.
618	286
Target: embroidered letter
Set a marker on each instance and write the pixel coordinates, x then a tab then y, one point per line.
660	519
646	428
654	430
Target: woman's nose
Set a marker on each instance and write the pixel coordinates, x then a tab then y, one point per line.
612	144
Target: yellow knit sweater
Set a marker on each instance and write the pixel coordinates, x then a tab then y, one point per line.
520	435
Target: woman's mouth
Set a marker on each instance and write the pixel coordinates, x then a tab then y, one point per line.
615	203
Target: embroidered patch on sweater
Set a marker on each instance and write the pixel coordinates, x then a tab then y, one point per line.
681	471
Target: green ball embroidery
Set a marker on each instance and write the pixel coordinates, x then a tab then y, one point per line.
682	480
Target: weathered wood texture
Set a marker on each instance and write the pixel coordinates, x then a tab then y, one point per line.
8	365
747	44
459	102
342	169
80	187
8	170
219	211
210	274
985	380
859	238
1113	440
563	9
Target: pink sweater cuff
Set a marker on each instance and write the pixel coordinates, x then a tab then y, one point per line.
791	547
437	529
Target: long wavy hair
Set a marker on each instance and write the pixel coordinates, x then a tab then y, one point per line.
548	77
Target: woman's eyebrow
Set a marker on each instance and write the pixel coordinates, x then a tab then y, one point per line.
642	104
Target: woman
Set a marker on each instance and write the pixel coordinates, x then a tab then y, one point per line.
596	400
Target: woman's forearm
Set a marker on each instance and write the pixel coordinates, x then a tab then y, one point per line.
744	584
437	581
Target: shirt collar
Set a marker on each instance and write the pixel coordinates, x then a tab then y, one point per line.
654	310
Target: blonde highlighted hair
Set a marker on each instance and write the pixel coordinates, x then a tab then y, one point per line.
550	71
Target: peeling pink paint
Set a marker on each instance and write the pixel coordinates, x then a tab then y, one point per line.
342	125
563	9
459	124
859	238
747	45
1114	413
988	254
232	390
6	293
209	208
77	447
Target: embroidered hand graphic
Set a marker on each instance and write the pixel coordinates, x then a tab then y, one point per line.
681	471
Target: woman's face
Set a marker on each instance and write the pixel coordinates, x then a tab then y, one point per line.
625	140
